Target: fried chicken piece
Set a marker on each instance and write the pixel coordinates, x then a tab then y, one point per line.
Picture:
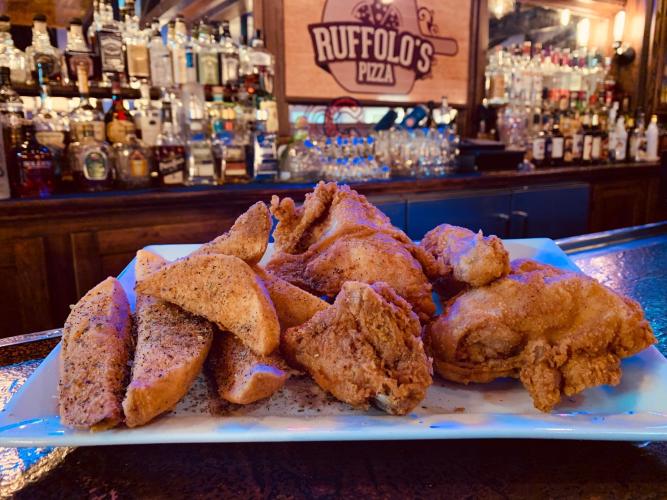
240	375
338	236
247	239
365	347
464	258
96	347
171	348
558	331
223	289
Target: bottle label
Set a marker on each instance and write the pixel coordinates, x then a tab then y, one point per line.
539	148
230	70
588	148
179	65
172	167
149	125
202	160
36	165
111	51
620	149
557	144
596	148
567	149
577	146
265	154
137	61
117	130
138	164
49	63
95	166
51	138
76	59
98	130
160	68
207	68
235	161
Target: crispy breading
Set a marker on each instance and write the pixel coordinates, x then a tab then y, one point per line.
240	375
365	347
170	352
96	347
223	289
247	239
559	332
294	306
338	236
464	258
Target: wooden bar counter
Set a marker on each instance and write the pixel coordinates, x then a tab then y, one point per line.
53	250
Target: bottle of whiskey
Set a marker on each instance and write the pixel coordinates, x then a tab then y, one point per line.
91	162
10	56
208	70
42	52
118	121
34	164
260	82
169	152
109	42
161	75
77	52
229	60
136	45
11	119
146	117
133	163
85	112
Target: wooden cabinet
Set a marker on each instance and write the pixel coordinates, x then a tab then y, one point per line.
617	204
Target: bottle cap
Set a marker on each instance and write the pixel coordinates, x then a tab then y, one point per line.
4	18
76	21
39	17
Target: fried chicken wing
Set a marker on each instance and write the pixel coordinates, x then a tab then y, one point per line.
338	236
464	258
559	332
365	347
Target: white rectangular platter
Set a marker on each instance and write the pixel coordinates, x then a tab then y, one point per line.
636	410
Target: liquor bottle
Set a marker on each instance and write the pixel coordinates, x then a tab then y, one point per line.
11	119
95	25
264	157
596	144
621	140
133	163
633	139
161	73
34	165
77	52
109	48
260	82
229	60
182	54
199	154
42	52
85	112
208	64
92	163
587	151
539	148
557	144
577	140
652	136
50	129
548	139
146	117
169	152
118	121
10	56
136	48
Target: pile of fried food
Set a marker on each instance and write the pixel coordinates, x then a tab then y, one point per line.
372	338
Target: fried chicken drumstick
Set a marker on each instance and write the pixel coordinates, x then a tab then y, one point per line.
338	236
559	332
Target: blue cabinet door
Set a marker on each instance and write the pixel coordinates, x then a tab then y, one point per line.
488	211
550	211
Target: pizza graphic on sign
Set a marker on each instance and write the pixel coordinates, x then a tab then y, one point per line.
377	46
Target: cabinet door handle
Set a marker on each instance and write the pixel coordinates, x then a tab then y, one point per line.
524	221
506	219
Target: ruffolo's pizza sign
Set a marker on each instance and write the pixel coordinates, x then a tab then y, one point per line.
377	46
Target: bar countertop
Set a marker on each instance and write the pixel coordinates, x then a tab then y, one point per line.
244	193
631	262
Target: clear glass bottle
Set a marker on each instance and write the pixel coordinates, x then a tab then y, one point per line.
208	64
11	119
92	162
181	53
199	153
77	52
85	112
10	56
42	52
169	152
118	121
147	117
95	25
35	167
262	62
109	40
264	157
133	163
136	47
229	59
161	73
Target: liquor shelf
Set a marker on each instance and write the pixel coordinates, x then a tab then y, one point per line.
53	250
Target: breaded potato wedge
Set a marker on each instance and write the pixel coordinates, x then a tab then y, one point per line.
171	348
223	289
240	375
247	239
96	347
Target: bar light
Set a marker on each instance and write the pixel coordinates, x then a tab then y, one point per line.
583	32
565	16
